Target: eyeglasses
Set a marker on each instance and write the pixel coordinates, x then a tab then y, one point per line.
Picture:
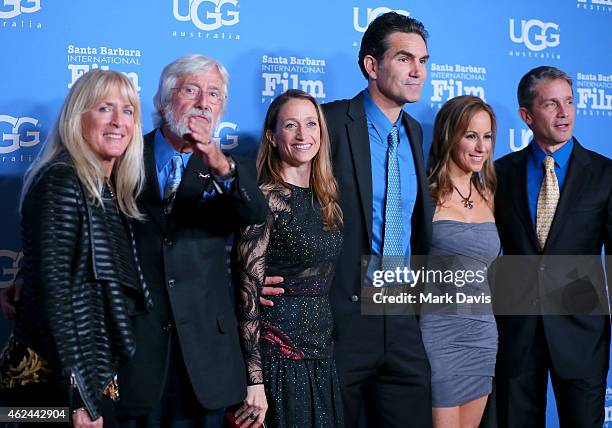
193	92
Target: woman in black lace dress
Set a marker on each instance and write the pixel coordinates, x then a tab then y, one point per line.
288	346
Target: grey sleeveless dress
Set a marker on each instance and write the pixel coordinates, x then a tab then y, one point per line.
461	343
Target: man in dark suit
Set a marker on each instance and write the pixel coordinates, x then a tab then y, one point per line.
381	359
554	198
188	364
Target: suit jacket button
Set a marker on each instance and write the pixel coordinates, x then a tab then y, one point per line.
354	298
168	242
171	283
167	327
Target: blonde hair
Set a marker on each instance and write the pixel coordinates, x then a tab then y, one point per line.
67	136
450	124
322	179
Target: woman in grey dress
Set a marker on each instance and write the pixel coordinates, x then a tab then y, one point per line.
461	338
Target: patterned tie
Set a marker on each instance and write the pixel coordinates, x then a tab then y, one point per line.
172	183
547	201
392	234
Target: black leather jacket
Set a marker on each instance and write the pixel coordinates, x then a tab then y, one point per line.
81	281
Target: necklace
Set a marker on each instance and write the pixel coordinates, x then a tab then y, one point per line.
111	190
467	202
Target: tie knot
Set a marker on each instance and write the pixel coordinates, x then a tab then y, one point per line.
549	162
177	162
393	138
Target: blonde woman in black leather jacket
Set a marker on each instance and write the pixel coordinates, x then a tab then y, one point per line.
81	278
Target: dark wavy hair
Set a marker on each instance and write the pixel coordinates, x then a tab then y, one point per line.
374	41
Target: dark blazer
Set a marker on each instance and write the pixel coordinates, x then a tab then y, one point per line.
185	263
348	130
579	344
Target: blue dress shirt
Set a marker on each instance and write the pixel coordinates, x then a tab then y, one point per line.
163	153
535	171
379	127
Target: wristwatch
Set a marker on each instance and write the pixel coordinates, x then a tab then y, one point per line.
231	173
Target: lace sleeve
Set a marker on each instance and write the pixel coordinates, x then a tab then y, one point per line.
250	266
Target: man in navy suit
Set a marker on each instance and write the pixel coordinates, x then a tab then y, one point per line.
554	199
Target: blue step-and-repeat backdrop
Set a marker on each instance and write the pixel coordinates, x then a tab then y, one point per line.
478	47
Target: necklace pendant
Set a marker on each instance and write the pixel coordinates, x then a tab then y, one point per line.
111	189
466	201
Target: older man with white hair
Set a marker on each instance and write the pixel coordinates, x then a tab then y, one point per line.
188	364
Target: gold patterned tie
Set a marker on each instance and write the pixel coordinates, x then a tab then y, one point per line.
547	201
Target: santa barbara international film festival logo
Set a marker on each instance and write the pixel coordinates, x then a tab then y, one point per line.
534	38
451	80
593	94
362	17
604	6
279	73
81	59
208	19
9	266
18	133
20	14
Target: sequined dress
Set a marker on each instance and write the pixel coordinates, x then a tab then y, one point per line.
293	356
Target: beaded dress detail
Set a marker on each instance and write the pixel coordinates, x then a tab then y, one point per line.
288	346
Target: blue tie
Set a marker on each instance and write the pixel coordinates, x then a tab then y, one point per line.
172	183
392	234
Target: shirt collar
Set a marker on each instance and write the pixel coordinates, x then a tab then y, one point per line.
377	118
561	156
163	152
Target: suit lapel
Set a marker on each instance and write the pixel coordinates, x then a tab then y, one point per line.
359	144
416	144
520	197
423	201
194	180
417	149
150	198
578	173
